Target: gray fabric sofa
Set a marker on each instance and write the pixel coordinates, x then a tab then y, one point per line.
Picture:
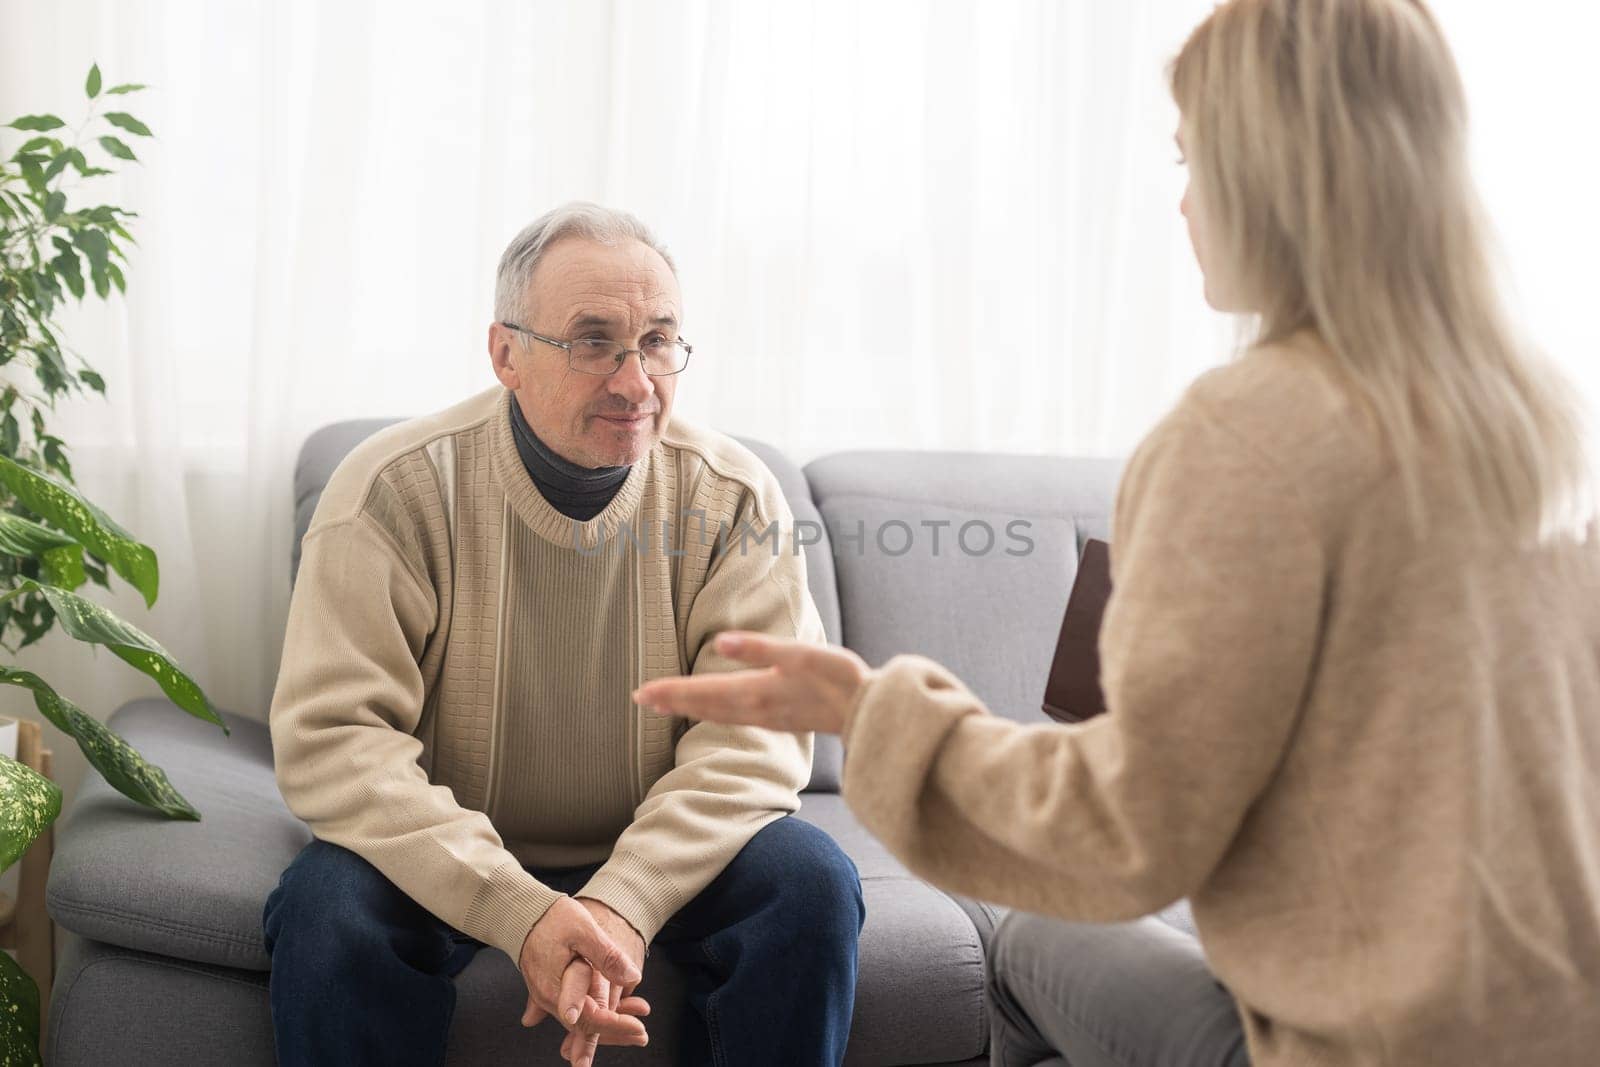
163	962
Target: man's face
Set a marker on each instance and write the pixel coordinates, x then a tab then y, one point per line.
624	293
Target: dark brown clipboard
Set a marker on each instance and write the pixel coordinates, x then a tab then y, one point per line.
1072	692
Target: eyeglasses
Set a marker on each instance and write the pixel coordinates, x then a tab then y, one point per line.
660	356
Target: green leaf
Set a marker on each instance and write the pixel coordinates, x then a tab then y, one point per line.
94	245
92	86
37	618
102	283
72	274
96	572
64	567
93	380
47	378
37	122
117	148
36	143
29	802
47	289
53	455
123	767
22	205
67	267
87	621
21	537
10	435
125	121
58	164
65	508
54	204
120	282
130	88
32	172
19	1023
76	158
51	369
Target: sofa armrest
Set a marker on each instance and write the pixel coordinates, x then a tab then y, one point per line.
127	876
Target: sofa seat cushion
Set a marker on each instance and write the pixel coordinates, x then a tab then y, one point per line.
133	1009
126	876
919	991
920	983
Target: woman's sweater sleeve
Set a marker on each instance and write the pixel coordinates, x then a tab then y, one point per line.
1207	647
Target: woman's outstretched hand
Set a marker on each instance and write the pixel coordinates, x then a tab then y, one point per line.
800	687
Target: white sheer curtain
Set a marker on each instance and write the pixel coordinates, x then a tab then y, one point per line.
899	224
1534	89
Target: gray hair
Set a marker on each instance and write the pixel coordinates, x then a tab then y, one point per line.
591	222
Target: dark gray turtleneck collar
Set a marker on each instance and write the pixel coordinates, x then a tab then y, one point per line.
577	492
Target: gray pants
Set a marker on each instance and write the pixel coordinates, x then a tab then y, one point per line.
1133	994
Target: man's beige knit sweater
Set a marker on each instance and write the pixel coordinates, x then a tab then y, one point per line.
454	698
1374	765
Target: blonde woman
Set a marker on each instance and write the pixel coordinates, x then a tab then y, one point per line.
1352	658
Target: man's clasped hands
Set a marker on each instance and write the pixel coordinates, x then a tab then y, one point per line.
582	962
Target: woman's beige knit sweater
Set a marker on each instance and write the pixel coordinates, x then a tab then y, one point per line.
1373	763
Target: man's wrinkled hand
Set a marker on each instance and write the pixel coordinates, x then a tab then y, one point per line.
584	1039
604	998
620	930
567	932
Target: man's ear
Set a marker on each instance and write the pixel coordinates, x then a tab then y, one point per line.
500	342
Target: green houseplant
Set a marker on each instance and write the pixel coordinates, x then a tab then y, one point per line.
53	540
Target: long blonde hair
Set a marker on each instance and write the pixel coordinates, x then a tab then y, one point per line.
1329	138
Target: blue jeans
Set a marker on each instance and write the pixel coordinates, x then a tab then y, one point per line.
362	974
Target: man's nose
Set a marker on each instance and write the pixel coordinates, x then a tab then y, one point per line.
630	381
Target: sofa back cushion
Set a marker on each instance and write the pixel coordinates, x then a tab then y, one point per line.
966	558
322	452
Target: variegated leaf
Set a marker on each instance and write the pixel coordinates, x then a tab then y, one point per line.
88	621
29	802
61	505
21	537
19	1015
128	772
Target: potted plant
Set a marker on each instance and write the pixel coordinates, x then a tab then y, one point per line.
53	540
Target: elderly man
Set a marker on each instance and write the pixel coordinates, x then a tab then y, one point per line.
480	592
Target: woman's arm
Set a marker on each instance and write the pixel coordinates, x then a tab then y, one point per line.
1207	649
